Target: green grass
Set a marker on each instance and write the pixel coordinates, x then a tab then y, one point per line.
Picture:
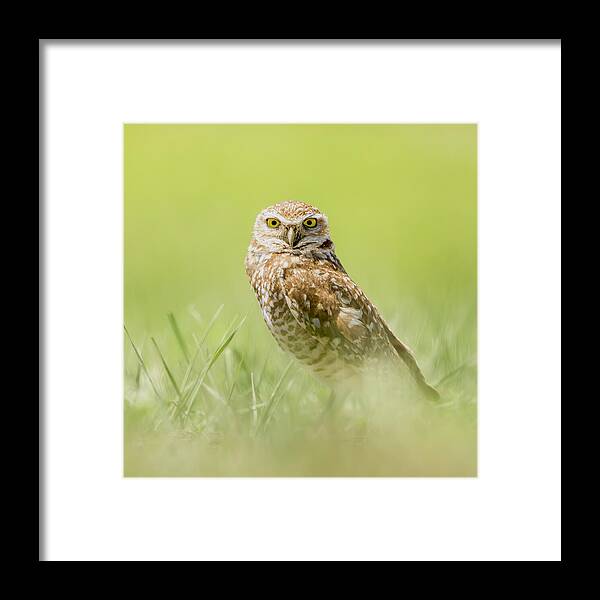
209	393
214	403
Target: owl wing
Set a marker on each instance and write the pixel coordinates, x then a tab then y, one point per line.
330	306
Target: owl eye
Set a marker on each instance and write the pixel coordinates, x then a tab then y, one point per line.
273	223
310	223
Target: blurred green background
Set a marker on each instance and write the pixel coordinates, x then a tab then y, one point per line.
401	202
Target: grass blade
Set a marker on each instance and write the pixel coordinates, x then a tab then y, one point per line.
264	367
178	336
227	341
166	367
273	400
253	405
138	372
200	380
199	346
210	324
143	364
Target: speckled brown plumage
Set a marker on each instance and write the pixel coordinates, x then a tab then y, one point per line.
310	304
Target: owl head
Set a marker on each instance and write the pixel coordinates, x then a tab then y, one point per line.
291	226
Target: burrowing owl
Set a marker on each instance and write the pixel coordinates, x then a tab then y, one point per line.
310	304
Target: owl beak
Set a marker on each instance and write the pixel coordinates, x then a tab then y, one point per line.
291	236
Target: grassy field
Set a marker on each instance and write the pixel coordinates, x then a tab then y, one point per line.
207	391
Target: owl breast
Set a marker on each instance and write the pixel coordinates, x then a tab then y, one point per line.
294	327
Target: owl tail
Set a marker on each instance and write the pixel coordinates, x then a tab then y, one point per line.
405	353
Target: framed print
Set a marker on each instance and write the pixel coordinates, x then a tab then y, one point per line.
301	300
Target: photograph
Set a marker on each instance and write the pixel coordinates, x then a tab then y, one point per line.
300	300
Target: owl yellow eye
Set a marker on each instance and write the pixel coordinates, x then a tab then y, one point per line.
310	223
273	223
